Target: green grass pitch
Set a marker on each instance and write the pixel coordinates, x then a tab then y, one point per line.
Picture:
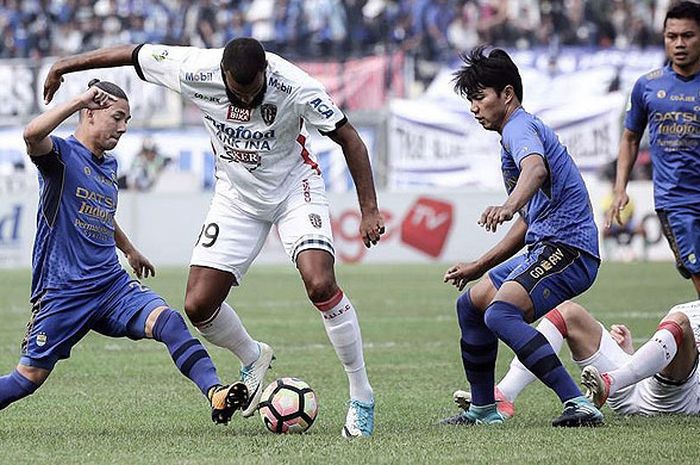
119	402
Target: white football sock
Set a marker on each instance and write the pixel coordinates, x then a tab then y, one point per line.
226	330
343	330
518	377
650	359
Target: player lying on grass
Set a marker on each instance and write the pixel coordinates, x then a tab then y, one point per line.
660	377
78	284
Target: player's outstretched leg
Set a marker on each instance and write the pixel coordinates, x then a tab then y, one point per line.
533	350
14	387
343	330
651	358
193	361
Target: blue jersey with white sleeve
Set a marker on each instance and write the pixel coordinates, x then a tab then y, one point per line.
670	105
560	211
74	247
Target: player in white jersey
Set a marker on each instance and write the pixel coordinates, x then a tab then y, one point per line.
256	106
659	377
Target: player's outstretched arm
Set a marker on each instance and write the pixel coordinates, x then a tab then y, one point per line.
461	274
36	133
533	173
629	149
355	152
102	58
141	266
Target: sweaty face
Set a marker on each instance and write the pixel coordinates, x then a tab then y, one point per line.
682	43
107	126
488	108
249	96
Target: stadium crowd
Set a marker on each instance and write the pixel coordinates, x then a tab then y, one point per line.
433	29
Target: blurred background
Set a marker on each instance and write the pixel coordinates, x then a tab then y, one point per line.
388	64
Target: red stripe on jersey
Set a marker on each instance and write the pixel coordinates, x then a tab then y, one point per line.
306	155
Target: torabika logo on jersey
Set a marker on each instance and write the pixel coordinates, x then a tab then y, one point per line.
268	112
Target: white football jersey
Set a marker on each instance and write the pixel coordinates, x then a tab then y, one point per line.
261	154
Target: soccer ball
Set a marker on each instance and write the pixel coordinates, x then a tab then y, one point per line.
288	405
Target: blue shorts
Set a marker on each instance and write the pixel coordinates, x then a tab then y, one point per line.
681	226
60	318
550	273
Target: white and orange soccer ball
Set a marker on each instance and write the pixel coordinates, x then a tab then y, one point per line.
288	405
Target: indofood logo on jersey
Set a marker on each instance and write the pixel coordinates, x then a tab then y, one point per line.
240	137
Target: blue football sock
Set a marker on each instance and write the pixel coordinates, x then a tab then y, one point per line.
531	347
14	387
189	355
479	350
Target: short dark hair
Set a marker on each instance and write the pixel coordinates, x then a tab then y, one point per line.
684	10
480	71
244	58
109	87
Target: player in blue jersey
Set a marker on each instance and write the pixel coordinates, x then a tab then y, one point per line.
78	284
555	223
668	102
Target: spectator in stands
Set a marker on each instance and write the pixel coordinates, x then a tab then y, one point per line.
146	167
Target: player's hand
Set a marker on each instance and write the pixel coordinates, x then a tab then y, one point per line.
141	266
51	84
96	99
461	273
620	201
623	336
494	216
371	228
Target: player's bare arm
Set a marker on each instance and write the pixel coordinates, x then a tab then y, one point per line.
629	149
355	151
533	173
102	58
141	266
461	274
36	134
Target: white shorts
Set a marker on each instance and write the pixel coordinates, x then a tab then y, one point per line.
654	395
232	237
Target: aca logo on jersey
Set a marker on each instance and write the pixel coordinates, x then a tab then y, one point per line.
427	225
323	108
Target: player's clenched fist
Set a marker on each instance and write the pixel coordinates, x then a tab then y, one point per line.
371	228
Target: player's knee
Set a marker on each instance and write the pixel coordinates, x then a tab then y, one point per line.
320	288
467	314
679	325
34	374
199	307
571	312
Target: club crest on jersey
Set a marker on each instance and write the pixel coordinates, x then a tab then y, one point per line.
268	111
315	220
241	115
41	339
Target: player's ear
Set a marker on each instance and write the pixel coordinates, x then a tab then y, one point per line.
508	93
